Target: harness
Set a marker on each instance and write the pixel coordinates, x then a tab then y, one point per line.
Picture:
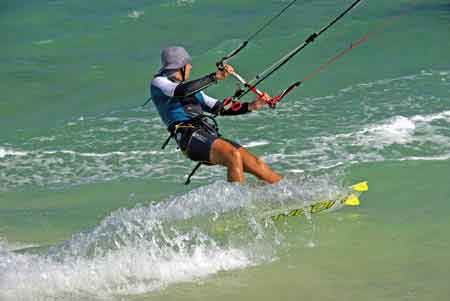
200	121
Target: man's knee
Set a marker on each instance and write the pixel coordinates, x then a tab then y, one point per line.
260	164
225	154
234	157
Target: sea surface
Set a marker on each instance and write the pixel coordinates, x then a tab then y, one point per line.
91	208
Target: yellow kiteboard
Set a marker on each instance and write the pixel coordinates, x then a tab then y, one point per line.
350	199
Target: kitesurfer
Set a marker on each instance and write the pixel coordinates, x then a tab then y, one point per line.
181	105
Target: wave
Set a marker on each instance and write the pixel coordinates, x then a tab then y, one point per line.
389	119
134	251
10	152
400	138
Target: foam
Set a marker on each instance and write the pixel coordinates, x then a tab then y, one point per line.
185	238
402	130
256	143
135	14
397	118
445	116
388	139
44	42
7	246
91	149
431	158
103	155
9	152
398	130
185	2
127	271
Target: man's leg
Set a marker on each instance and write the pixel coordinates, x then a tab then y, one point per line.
258	168
239	160
224	153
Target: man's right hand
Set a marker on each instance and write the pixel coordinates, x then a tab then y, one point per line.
223	74
259	102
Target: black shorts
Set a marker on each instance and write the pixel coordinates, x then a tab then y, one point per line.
196	141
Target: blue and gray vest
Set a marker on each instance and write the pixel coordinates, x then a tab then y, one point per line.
175	109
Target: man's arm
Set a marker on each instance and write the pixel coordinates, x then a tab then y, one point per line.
245	107
194	86
214	106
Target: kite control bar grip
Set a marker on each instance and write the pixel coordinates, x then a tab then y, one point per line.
245	83
271	102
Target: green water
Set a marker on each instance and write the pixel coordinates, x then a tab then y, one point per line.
91	208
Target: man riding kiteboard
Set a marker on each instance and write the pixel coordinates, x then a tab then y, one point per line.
181	105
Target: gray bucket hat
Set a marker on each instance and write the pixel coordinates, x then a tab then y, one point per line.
174	58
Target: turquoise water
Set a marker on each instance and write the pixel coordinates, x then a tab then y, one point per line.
91	208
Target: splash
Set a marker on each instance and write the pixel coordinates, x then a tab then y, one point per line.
135	251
